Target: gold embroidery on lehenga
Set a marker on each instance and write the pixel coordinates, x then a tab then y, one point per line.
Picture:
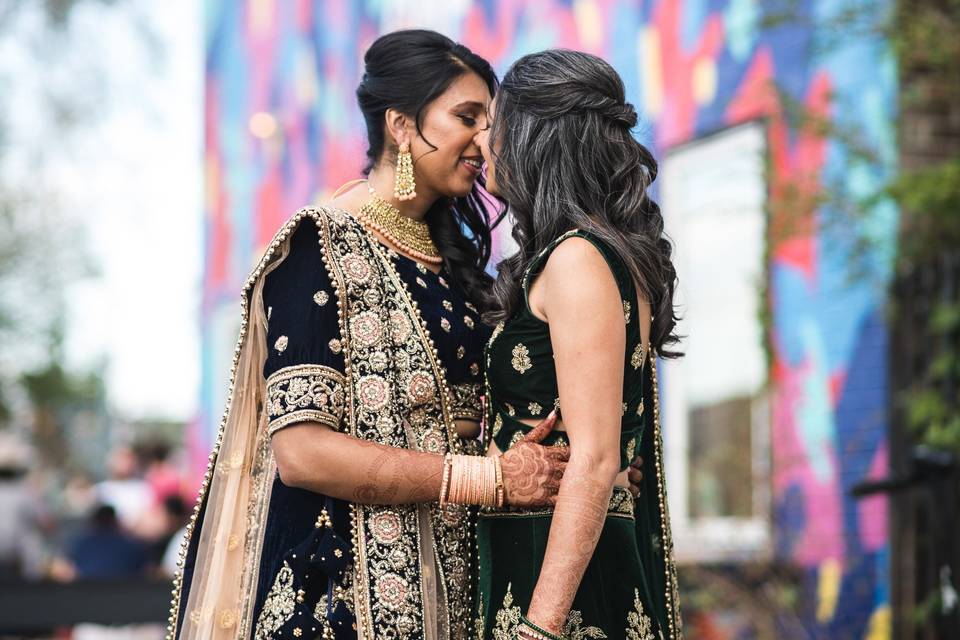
480	623
626	312
281	344
321	297
497	330
278	606
639	626
406	405
521	358
305	392
573	629
636	360
465	403
534	409
507	618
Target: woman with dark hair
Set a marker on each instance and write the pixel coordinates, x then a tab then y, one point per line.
336	502
584	307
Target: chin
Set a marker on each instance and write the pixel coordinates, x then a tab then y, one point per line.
461	190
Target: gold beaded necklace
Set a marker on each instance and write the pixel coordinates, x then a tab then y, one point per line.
409	235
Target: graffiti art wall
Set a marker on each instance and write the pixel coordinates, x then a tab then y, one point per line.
282	131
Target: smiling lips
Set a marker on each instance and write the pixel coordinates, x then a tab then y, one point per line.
472	163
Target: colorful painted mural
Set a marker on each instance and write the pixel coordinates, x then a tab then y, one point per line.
282	131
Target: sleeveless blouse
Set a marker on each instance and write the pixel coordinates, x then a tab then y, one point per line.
521	377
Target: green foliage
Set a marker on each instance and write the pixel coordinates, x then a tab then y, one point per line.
932	197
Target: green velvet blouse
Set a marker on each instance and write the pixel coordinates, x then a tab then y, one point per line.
521	374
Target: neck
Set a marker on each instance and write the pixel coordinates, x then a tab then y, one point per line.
382	179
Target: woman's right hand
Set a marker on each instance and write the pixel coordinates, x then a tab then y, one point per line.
531	471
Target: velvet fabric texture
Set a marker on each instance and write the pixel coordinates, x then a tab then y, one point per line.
629	588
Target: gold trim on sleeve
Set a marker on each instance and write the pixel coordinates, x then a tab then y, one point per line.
309	392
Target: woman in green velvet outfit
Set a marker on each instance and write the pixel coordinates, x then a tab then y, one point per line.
584	308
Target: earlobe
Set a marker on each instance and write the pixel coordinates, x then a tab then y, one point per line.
397	125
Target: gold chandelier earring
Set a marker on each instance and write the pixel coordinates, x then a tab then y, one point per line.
405	188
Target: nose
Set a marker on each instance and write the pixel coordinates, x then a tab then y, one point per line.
480	137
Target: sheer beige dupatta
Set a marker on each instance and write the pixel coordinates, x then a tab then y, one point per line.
237	484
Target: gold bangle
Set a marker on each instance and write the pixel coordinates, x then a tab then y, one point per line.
472	480
477	481
455	481
500	496
491	464
445	482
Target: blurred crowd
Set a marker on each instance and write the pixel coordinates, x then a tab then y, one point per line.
65	527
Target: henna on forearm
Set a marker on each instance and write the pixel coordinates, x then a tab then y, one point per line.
341	466
577	523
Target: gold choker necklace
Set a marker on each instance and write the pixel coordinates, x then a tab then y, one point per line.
409	235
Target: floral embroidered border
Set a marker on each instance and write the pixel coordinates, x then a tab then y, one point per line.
400	398
466	401
621	506
305	392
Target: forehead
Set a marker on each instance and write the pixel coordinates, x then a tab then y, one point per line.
467	88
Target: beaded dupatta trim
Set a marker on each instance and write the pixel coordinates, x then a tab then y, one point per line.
671	588
237	621
395	393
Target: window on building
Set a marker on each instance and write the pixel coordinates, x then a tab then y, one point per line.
715	418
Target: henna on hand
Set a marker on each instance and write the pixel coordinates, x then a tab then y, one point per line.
532	474
635	476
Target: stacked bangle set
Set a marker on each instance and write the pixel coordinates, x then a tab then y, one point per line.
472	480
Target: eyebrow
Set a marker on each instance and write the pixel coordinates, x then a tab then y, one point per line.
470	103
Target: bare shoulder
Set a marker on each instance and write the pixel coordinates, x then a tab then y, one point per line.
578	280
578	265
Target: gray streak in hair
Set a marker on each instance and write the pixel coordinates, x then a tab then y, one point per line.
566	159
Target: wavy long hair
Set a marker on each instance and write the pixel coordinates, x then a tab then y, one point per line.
407	70
565	158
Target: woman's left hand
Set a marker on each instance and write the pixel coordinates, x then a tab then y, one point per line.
635	475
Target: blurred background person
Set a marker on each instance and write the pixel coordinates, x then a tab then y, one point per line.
103	550
21	543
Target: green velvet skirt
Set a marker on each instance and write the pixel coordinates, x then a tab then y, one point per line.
617	596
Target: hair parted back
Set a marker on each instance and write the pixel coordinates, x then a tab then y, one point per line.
407	70
566	159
